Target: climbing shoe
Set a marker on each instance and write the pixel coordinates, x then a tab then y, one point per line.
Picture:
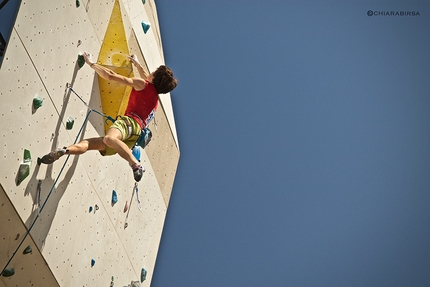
53	155
138	171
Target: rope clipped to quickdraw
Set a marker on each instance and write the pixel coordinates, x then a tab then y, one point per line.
108	118
135	190
38	195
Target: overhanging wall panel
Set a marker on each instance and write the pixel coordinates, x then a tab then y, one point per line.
66	233
53	45
99	14
25	129
31	269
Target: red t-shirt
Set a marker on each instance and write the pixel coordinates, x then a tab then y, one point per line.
142	105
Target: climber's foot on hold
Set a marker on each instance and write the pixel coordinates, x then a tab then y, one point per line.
138	171
53	155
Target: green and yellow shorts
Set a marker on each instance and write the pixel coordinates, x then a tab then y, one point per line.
130	131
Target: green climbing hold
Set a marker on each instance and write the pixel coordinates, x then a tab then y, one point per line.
8	272
143	1
24	168
37	102
143	275
69	123
81	61
27	156
78	3
27	250
23	172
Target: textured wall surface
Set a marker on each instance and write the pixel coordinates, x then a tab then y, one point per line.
64	211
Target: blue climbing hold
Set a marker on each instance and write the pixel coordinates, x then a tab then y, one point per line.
114	197
136	152
145	26
93	262
91	208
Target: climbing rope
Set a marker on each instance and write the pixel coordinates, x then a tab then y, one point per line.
137	196
103	115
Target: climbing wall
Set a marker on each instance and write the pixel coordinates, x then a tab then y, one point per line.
79	233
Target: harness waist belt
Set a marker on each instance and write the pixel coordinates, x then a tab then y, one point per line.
142	123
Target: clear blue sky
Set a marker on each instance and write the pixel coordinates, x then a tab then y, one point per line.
304	129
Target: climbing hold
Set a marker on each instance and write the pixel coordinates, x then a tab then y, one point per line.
8	272
23	172
91	209
37	102
93	262
136	152
145	26
24	168
143	1
69	123
143	275
114	198
96	208
27	156
135	284
126	207
111	282
81	61
27	250
78	3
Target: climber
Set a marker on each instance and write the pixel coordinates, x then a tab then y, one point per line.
122	135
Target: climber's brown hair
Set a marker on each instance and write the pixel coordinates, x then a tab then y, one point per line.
163	80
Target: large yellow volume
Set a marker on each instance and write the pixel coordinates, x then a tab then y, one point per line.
113	55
